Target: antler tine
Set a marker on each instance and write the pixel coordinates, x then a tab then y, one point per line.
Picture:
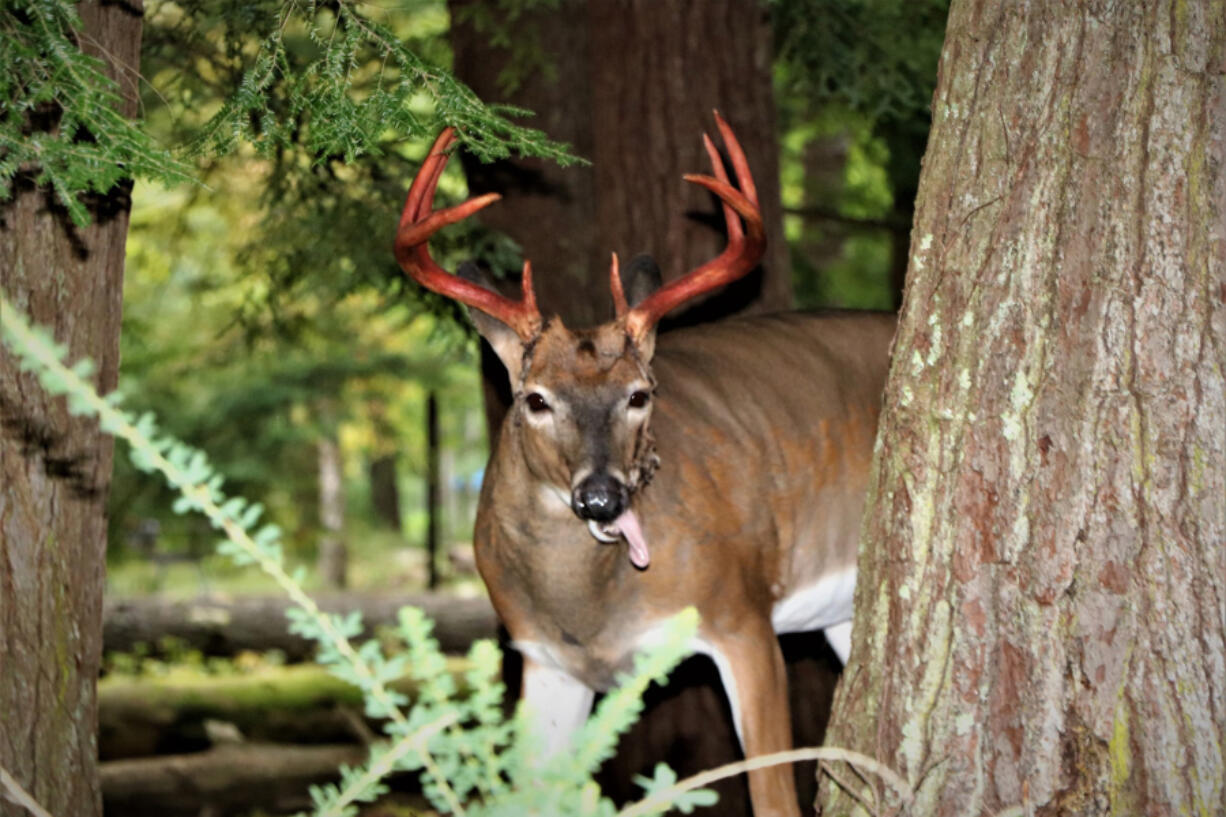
731	223
615	283
427	176
419	221
745	245
739	163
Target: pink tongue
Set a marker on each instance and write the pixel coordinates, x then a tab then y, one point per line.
628	524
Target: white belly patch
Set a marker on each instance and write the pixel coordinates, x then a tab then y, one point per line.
816	606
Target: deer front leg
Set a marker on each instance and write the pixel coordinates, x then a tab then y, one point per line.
558	705
755	680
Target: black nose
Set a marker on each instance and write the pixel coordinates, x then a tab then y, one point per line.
600	497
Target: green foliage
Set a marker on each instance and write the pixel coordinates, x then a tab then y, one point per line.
874	57
335	80
263	309
471	760
256	345
330	80
60	112
860	73
861	196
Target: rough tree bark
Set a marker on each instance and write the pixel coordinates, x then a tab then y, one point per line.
1041	613
55	469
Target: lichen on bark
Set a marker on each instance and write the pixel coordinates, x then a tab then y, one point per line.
1041	614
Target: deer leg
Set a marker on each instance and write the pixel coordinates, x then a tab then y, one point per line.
558	705
839	636
755	680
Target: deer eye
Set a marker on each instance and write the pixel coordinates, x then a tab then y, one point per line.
639	399
536	403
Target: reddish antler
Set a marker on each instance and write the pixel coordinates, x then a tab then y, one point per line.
418	222
744	250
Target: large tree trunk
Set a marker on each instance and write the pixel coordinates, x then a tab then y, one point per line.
55	468
631	86
1041	613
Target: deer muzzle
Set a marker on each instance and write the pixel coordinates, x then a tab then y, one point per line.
599	498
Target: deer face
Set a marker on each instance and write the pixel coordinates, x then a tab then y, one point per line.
582	404
583	408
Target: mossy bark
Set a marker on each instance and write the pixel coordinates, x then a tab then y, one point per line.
55	469
1041	609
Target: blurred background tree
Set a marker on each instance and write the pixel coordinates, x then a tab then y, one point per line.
854	80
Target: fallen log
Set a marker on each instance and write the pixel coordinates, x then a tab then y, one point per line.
173	713
224	779
226	627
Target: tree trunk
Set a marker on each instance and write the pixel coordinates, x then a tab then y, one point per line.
432	491
385	491
1041	609
631	86
333	561
55	468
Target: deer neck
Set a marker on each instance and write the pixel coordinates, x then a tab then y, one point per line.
562	566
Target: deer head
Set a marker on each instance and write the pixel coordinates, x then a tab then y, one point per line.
581	414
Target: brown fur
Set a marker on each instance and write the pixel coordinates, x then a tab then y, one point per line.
763	431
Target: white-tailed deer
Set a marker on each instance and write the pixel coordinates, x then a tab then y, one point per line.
723	467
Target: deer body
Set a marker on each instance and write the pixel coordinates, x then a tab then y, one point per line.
764	430
722	467
757	496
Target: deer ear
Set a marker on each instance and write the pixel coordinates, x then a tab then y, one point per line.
640	278
505	342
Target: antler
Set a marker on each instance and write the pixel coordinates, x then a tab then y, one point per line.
744	250
418	222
